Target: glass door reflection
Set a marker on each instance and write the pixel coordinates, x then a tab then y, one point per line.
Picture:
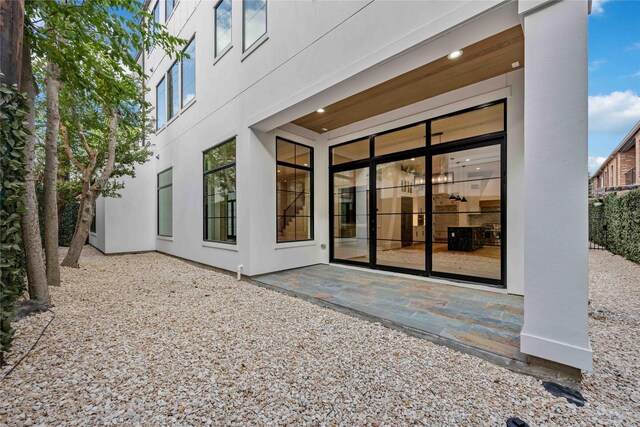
466	213
351	215
400	214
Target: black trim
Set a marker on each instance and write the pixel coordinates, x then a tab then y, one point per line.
158	188
311	192
428	151
207	172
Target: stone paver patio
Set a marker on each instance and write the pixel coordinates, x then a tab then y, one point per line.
466	319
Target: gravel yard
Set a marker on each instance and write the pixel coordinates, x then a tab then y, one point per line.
151	340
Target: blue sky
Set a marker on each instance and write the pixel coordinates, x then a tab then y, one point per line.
614	75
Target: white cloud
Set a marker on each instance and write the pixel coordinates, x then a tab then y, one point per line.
595	163
616	112
594	65
597	7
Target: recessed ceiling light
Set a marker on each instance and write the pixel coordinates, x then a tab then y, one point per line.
477	169
515	64
279	171
455	54
306	164
320	110
325	129
467	160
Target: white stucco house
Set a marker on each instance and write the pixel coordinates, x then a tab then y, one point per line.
441	139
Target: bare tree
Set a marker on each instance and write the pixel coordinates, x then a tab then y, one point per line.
36	273
53	85
90	191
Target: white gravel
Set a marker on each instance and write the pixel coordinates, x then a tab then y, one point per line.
151	340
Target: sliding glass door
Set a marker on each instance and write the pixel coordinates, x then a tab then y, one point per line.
424	199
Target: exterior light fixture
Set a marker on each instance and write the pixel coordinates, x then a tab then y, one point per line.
320	110
455	54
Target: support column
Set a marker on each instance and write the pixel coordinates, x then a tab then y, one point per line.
555	182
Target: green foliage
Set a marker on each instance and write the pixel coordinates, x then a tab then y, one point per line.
67	224
13	130
621	215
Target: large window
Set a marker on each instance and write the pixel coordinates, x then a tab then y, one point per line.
220	193
173	91
189	73
254	16
294	191
165	202
161	104
223	26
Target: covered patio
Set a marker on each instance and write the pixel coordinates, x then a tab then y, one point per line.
483	323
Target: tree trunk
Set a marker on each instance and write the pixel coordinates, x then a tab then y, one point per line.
85	216
36	273
11	38
50	176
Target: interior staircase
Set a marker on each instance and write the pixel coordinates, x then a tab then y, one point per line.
286	225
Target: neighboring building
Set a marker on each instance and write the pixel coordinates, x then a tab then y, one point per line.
402	136
621	170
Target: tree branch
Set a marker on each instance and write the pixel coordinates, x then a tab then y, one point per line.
67	147
111	158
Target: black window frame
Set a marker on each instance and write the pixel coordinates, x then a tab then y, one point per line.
311	192
217	54
158	188
428	150
244	26
205	173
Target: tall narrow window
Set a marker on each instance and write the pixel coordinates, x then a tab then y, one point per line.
93	224
220	193
169	5
254	16
173	95
223	26
294	191
156	19
161	104
165	202
189	73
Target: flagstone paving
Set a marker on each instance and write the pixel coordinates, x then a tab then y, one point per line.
486	320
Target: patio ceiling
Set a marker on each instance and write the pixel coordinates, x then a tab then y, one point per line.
483	60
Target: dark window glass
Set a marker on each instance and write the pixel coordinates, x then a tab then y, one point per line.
173	104
93	223
161	104
220	193
156	18
223	26
189	73
165	202
254	14
294	191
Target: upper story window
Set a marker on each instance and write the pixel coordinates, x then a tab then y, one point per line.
220	193
173	91
294	191
223	26
169	5
156	19
161	104
188	85
254	17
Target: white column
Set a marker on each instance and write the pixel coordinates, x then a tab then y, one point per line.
555	183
